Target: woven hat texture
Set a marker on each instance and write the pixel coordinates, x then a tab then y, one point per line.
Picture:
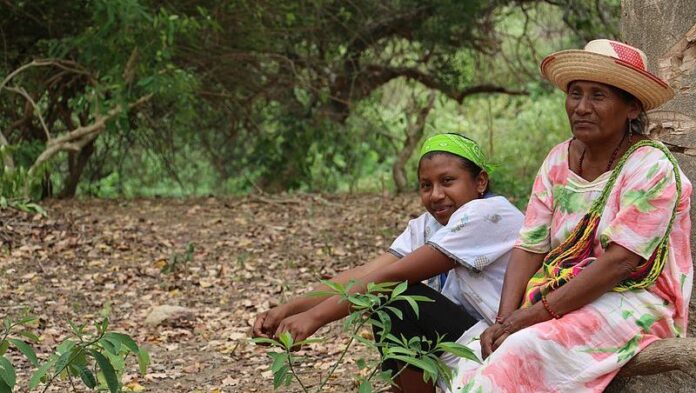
610	62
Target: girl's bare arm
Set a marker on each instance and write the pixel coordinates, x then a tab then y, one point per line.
421	264
267	322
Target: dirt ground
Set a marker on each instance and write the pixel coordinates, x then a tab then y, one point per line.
249	254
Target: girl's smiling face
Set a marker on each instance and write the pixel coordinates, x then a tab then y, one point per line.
445	184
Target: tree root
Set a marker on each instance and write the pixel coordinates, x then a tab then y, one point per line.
661	356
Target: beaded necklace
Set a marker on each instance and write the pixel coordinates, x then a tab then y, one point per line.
611	160
568	259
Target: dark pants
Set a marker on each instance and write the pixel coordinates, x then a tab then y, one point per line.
441	317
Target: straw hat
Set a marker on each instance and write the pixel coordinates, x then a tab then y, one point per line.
612	63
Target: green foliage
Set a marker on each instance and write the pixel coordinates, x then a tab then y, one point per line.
13	184
22	204
280	96
123	53
177	262
590	19
97	358
369	310
519	144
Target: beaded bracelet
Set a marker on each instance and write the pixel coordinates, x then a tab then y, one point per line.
548	308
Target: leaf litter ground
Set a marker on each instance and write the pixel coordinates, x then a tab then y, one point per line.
249	254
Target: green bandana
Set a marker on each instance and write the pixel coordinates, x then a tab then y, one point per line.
459	146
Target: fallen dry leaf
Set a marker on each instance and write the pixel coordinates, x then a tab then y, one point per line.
92	254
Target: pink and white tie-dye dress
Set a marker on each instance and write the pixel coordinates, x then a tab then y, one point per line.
583	351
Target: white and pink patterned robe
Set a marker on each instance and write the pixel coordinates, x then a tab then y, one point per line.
583	351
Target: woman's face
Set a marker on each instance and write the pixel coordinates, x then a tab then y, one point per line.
597	113
445	185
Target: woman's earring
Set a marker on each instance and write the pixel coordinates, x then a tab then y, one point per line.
630	130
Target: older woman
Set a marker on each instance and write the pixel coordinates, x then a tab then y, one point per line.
602	267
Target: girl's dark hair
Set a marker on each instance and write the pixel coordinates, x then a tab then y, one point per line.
640	124
467	164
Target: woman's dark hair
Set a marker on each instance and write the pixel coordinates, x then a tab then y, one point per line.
467	164
640	124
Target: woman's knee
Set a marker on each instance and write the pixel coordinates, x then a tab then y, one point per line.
520	341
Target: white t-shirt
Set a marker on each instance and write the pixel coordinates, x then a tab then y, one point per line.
479	237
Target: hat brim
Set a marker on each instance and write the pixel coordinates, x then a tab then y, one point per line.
563	67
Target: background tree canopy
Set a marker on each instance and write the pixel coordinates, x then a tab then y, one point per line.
123	98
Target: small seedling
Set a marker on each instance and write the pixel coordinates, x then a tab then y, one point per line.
177	262
95	355
369	309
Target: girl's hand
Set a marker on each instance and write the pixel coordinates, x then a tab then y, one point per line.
300	326
267	322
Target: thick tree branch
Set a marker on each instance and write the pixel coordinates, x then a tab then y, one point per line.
62	64
393	25
379	75
4	136
76	139
414	133
374	76
27	97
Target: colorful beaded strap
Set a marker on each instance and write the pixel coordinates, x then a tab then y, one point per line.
568	259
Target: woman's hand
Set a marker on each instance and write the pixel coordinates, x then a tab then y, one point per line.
488	338
267	322
520	319
493	337
525	317
300	326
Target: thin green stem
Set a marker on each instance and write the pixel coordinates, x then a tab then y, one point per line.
374	371
9	330
72	357
343	353
72	383
293	372
335	366
386	388
400	371
7	333
57	373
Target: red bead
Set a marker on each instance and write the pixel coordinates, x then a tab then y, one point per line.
548	308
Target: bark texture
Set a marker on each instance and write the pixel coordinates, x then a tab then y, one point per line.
666	31
414	133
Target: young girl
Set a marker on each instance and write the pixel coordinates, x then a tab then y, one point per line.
461	245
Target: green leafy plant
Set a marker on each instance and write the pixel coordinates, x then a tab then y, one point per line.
96	356
370	309
12	187
23	204
177	261
14	334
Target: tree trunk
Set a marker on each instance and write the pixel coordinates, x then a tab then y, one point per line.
666	32
414	133
76	165
674	354
6	156
46	186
